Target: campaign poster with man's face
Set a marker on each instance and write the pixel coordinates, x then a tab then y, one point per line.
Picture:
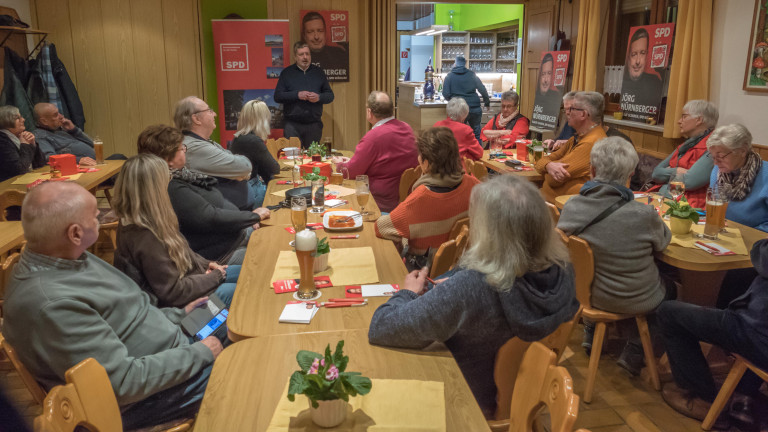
326	32
648	51
549	89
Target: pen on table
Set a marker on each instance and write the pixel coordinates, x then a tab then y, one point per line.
430	280
342	237
343	304
706	246
348	300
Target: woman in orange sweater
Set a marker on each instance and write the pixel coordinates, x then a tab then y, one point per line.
423	221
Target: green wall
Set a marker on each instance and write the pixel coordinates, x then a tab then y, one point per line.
212	9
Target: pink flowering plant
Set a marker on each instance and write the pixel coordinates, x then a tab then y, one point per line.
325	377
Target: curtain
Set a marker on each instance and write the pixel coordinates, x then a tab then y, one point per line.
381	47
690	72
587	46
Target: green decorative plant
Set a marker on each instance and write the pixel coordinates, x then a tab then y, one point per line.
323	378
534	143
323	247
314	175
682	210
316	149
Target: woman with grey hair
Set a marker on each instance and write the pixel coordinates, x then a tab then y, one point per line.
508	119
687	162
626	280
457	111
18	150
513	281
740	169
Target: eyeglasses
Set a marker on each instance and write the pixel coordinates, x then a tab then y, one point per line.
683	116
202	111
719	156
568	110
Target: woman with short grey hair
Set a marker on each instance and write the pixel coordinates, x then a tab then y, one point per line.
19	153
626	279
508	119
688	163
513	281
457	111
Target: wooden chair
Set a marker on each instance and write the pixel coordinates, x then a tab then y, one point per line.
444	259
106	231
462	241
734	376
87	399
457	227
554	212
37	391
107	189
10	198
407	179
583	260
540	383
5	275
293	142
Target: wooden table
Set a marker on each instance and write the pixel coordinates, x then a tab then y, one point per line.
87	180
248	378
256	308
11	236
500	167
286	165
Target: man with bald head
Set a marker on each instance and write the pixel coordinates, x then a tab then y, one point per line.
56	134
387	150
64	305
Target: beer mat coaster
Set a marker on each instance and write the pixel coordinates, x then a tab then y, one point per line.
33	177
87	170
291	285
346	266
335	190
419	406
379	290
730	240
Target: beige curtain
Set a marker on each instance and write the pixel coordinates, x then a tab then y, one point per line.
381	47
587	46
690	72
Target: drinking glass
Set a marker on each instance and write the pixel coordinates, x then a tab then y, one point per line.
306	246
318	196
299	213
677	185
538	153
717	205
98	148
362	193
296	173
495	147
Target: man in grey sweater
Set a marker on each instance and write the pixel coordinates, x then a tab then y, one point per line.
64	305
56	134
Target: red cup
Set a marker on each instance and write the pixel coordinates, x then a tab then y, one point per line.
522	151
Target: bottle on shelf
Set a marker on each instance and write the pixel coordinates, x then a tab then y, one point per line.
429	85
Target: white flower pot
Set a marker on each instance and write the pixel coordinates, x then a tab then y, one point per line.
321	262
328	413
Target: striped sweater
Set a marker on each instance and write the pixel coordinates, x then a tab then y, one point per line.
424	220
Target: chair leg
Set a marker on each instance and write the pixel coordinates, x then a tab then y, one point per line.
734	376
594	359
108	195
650	359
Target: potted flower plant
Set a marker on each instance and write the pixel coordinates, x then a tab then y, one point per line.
321	255
681	215
316	151
314	175
327	385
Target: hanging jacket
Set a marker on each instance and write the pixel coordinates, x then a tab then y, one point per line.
69	97
14	88
48	80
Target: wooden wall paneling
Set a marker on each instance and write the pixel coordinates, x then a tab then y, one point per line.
89	52
182	58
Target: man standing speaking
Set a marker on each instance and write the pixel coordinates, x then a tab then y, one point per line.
303	89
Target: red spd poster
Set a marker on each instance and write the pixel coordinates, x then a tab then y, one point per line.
550	87
250	54
326	32
648	51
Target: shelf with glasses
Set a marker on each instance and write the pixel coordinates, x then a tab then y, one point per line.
485	51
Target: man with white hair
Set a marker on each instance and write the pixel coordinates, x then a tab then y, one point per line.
457	111
64	305
197	121
567	169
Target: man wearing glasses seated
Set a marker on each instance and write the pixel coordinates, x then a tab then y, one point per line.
567	169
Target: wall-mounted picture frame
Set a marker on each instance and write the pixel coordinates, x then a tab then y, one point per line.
756	75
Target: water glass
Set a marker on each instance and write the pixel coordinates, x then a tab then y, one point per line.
318	196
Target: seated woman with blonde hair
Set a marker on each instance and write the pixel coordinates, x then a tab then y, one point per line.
150	248
253	128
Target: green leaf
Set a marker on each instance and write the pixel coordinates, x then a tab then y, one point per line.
305	358
323	247
361	384
297	384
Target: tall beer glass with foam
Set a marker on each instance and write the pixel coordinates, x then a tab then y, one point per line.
306	245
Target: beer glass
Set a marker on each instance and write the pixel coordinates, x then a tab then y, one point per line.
362	193
318	196
328	146
538	153
495	147
306	245
337	178
677	185
299	213
98	148
717	204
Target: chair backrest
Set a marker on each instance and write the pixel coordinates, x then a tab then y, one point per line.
5	275
469	166
407	179
10	198
37	391
479	171
293	142
584	269
444	259
87	399
554	212
462	240
540	383
275	145
457	227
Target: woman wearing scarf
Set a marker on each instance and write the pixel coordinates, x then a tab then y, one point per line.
422	222
510	119
18	151
627	280
696	122
214	227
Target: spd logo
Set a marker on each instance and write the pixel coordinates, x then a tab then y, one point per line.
234	57
659	56
338	34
